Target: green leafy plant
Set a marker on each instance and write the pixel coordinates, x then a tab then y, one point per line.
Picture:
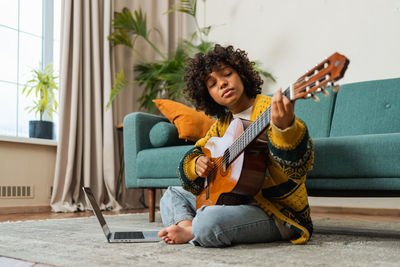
160	77
42	85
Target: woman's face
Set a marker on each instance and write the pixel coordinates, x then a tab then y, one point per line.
226	88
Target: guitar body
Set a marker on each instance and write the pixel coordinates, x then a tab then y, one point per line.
242	178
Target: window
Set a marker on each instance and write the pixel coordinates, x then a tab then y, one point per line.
30	34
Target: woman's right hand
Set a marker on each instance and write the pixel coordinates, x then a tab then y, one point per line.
203	166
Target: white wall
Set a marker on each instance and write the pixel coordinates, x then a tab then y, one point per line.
291	36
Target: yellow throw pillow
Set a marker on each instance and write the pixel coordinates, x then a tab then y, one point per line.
191	124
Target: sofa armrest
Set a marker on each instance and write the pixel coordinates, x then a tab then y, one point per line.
137	126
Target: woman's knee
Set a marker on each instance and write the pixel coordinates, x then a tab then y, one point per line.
208	227
210	216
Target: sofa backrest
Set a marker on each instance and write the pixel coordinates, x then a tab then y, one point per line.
316	115
371	107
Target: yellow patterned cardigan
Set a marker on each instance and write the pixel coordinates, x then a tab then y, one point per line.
283	194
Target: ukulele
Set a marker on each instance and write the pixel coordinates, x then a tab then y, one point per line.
240	156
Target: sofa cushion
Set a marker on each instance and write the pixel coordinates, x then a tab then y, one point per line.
164	134
160	162
363	156
157	182
360	183
316	115
371	107
191	124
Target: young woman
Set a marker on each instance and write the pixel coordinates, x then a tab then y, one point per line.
223	83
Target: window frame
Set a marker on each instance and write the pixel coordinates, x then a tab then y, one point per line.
48	44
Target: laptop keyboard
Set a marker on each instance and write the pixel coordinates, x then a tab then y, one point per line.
128	235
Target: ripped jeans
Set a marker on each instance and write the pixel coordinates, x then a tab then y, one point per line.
220	225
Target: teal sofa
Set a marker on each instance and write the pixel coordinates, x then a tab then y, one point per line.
152	151
356	134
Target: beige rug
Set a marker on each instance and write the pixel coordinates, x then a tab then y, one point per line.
80	242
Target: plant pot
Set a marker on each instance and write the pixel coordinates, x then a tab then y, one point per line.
41	129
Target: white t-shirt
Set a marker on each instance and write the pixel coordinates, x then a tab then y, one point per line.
245	114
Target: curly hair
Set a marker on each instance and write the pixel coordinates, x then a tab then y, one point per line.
199	67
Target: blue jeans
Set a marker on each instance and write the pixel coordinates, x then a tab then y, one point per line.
218	226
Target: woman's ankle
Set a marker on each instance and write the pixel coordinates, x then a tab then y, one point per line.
184	223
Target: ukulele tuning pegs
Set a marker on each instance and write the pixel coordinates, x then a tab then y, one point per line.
326	93
322	90
316	98
336	88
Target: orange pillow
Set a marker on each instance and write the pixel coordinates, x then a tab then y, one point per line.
191	124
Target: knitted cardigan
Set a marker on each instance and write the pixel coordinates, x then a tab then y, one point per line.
283	194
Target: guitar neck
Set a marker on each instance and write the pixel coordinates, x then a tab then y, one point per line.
251	132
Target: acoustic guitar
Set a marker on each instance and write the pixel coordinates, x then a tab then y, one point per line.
241	154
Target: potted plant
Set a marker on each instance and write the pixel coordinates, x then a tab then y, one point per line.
160	78
42	85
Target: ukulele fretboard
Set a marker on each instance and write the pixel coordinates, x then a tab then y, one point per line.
251	132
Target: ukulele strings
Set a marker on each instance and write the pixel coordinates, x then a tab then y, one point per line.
236	146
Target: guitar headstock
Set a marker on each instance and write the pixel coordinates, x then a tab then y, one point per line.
320	77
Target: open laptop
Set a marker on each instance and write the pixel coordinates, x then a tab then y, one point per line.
119	237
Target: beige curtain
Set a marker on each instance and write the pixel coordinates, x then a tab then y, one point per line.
89	147
172	27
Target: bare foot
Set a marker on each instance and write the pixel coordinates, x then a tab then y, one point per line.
177	234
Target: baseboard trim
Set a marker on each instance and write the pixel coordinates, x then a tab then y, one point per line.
356	211
314	209
24	209
332	230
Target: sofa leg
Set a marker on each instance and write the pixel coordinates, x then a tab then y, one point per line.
151	192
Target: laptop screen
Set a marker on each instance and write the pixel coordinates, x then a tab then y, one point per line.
97	211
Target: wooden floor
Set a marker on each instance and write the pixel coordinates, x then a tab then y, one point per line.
356	214
50	215
362	214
